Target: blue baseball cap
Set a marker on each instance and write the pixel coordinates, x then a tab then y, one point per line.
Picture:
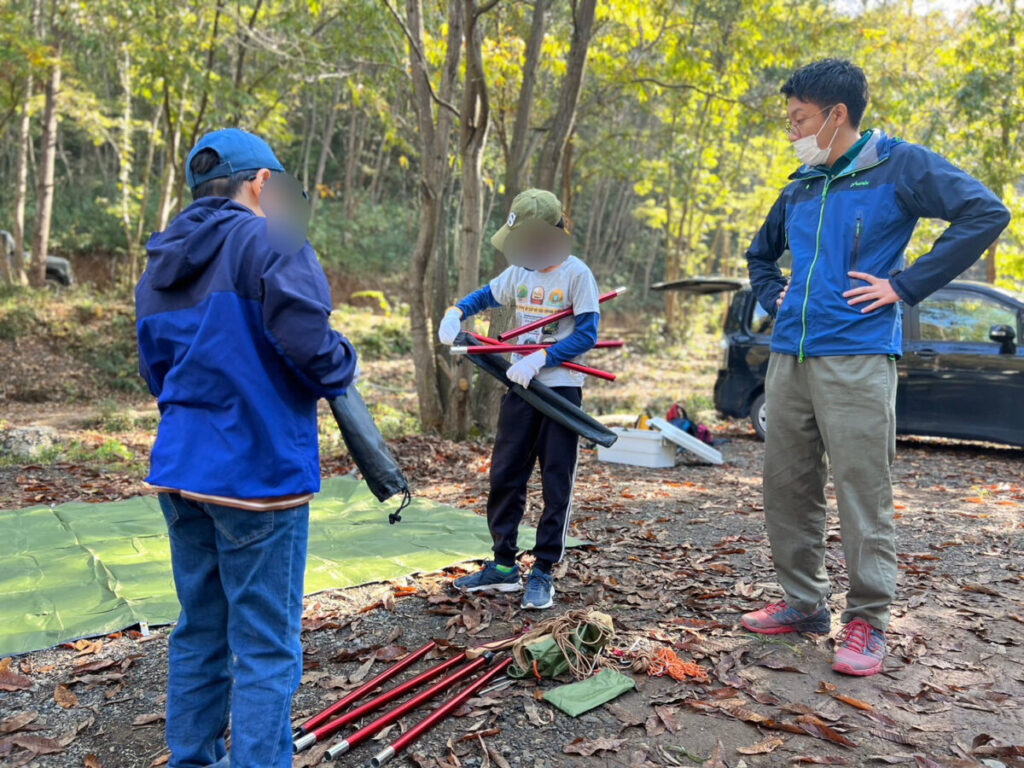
238	151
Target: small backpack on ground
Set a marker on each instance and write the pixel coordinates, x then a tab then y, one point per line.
678	417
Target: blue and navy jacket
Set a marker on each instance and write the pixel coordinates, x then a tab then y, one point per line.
861	220
234	342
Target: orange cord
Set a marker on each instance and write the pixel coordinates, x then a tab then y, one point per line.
665	662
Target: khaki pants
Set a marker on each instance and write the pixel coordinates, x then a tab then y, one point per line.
843	408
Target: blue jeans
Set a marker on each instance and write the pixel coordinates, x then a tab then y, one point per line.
236	649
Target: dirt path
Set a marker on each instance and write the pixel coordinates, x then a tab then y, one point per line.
677	556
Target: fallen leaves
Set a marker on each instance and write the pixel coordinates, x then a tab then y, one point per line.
64	697
17	722
832	690
150	719
763	747
37	745
815	727
11	681
534	715
588	747
717	758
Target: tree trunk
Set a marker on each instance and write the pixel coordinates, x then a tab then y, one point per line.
488	392
378	170
515	168
240	65
16	273
147	173
325	149
352	162
434	136
171	158
572	86
125	158
307	145
47	158
473	128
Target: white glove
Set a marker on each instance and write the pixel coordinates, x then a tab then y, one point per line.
450	325
523	371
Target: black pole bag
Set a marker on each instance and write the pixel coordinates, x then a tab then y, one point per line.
542	397
368	450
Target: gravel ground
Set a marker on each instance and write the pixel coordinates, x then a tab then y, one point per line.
675	556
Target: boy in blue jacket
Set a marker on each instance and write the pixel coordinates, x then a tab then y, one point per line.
543	280
235	344
847	216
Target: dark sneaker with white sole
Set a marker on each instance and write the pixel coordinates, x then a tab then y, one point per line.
490	579
540	590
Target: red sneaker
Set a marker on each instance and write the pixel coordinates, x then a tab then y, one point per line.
777	618
861	649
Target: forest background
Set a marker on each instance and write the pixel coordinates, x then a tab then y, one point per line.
413	123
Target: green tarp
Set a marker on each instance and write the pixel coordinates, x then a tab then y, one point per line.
80	570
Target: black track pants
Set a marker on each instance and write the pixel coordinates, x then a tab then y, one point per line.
524	436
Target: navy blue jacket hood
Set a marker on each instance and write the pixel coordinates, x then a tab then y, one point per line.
191	241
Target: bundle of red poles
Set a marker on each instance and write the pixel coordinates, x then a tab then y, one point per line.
500	345
452	673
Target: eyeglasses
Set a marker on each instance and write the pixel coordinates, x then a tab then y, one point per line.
793	126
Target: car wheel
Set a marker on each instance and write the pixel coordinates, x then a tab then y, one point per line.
757	415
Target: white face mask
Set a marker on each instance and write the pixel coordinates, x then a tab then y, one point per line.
807	150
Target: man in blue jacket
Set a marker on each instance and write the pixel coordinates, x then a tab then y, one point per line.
234	342
847	216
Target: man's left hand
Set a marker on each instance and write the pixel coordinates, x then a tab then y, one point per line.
878	291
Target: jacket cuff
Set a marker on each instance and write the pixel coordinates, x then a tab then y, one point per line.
899	286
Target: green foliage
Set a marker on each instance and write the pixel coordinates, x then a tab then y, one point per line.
378	297
394	423
112	350
110	453
375	337
111	417
17	322
374	241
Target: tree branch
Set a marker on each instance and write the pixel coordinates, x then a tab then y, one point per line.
423	59
697	89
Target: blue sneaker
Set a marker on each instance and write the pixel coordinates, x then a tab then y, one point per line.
490	579
540	590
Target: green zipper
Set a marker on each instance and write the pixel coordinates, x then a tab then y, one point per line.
810	271
817	247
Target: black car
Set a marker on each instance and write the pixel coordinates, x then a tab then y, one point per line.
961	374
58	269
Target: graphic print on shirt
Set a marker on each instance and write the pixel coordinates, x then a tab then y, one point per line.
537	296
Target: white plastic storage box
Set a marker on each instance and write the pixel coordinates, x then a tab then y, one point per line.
639	447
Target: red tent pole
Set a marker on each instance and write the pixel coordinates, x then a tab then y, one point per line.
501	349
405	707
595	372
328	729
364	689
437	716
552	318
